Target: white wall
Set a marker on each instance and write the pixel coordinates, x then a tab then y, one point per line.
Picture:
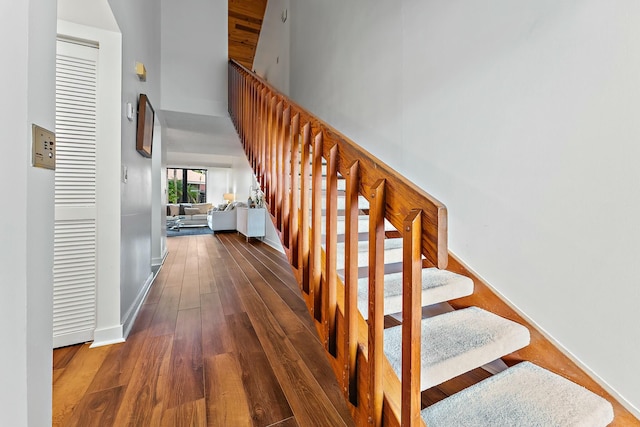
26	257
217	184
139	23
271	61
158	199
194	56
523	119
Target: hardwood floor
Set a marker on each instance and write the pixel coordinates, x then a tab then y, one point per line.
222	339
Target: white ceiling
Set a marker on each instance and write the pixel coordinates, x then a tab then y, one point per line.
204	137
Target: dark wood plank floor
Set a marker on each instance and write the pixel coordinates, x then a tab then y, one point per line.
222	339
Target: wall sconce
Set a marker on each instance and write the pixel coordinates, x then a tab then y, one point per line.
141	72
229	197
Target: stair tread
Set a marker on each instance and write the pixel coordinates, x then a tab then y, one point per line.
392	252
523	395
457	342
437	286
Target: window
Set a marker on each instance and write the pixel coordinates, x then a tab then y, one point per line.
187	185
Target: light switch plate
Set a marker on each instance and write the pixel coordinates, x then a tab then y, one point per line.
44	148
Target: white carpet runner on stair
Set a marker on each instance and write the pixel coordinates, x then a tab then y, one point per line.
437	286
392	252
457	342
524	395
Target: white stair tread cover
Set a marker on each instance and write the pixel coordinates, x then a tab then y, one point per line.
523	395
392	252
437	286
363	224
457	342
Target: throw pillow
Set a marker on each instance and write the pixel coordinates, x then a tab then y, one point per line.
183	206
173	209
191	211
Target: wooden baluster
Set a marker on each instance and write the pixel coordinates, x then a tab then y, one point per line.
231	98
247	115
273	174
277	165
286	177
269	150
255	138
243	119
256	129
263	139
351	283
305	190
252	126
240	105
255	119
263	133
376	300
294	214
243	110
331	239
231	75
411	317
316	228
232	88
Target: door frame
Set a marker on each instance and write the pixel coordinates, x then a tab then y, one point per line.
109	327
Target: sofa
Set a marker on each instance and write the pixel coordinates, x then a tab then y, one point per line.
190	214
224	218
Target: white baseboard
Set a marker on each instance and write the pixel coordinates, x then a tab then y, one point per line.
275	244
132	313
158	261
71	338
107	336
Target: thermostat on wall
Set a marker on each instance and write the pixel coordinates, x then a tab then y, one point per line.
44	148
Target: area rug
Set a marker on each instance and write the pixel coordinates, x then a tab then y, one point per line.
189	231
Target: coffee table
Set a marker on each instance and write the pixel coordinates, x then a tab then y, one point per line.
174	223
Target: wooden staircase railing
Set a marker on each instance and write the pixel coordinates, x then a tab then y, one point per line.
288	149
295	155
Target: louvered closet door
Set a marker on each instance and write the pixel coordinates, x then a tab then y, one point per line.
74	260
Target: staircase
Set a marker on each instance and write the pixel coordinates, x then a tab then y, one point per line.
366	245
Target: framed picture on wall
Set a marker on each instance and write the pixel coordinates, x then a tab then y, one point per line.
144	138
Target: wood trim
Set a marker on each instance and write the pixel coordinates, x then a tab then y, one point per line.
304	236
244	21
316	228
411	319
331	244
351	284
294	215
377	196
286	178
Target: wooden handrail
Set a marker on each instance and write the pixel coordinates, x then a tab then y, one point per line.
293	154
401	192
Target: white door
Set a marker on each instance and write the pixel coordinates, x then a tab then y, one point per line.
74	260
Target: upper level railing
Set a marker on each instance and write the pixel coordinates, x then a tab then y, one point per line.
298	160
